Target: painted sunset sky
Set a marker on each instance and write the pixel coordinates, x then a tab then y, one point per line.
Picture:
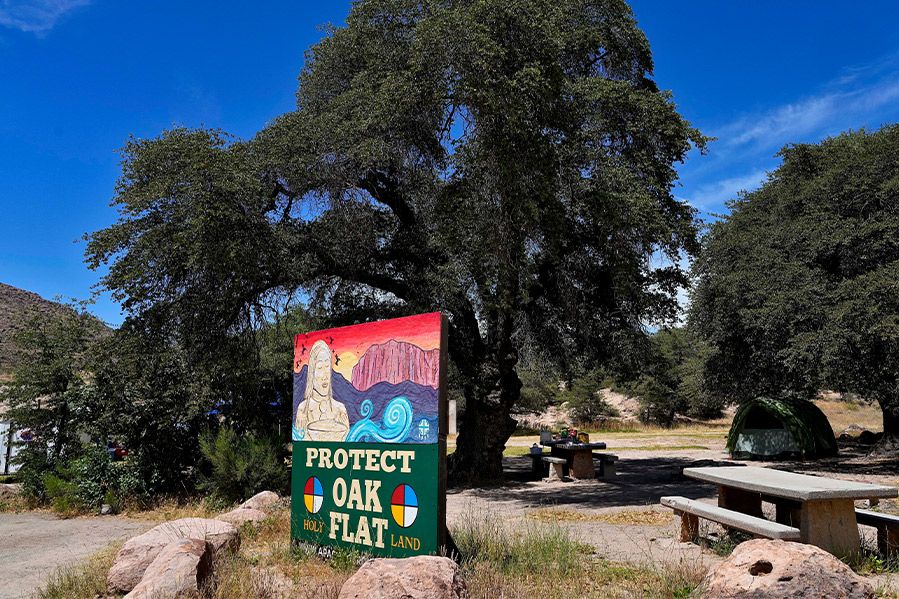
349	343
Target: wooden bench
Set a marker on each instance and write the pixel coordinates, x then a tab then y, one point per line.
887	527
606	463
556	467
690	511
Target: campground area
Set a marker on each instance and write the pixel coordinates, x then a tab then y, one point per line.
605	537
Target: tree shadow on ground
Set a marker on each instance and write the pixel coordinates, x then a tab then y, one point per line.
640	481
853	459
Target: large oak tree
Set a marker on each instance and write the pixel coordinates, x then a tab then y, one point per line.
508	163
798	288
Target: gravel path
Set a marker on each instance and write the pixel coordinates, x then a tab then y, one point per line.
34	545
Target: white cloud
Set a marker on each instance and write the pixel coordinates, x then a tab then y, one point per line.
858	96
847	103
713	195
35	16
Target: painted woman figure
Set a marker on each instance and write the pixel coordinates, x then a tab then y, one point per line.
319	416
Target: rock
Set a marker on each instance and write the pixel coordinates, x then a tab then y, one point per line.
137	553
422	577
265	501
763	568
10	490
851	433
105	509
178	571
869	437
853	430
240	516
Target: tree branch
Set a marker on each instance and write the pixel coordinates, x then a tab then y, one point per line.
383	190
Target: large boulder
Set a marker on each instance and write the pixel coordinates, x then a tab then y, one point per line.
422	577
178	571
10	490
265	501
139	552
764	568
254	510
243	515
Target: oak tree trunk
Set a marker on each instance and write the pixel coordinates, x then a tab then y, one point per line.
487	424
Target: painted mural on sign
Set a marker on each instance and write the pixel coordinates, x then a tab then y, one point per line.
369	438
374	382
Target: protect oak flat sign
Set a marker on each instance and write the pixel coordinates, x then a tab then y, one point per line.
369	437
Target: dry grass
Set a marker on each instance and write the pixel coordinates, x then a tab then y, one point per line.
15	504
542	560
267	560
842	413
170	509
86	580
663	447
629	427
619	518
531	560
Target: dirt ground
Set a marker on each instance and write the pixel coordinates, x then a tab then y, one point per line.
620	517
35	544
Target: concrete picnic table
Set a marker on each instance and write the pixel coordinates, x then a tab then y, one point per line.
578	455
822	508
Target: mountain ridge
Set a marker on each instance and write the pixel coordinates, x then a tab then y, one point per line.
17	308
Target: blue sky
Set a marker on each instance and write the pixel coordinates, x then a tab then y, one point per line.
78	76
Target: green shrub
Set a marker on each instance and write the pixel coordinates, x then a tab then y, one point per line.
658	403
239	466
62	492
83	483
584	400
101	480
34	465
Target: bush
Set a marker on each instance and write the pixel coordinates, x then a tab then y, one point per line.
82	483
239	466
658	403
584	400
63	493
34	465
101	480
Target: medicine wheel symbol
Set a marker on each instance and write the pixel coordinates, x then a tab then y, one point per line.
404	505
313	495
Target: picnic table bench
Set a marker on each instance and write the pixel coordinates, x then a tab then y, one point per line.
690	511
556	467
606	463
823	509
887	526
578	456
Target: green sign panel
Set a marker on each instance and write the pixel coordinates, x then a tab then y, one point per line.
369	437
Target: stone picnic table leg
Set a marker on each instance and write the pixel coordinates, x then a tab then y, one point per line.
740	500
830	524
582	464
558	452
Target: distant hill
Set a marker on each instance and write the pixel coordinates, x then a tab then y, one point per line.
17	307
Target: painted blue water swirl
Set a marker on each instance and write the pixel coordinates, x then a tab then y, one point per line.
298	435
396	422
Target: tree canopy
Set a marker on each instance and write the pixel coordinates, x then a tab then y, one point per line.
797	287
510	164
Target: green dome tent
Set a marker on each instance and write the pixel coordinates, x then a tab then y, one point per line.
766	428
